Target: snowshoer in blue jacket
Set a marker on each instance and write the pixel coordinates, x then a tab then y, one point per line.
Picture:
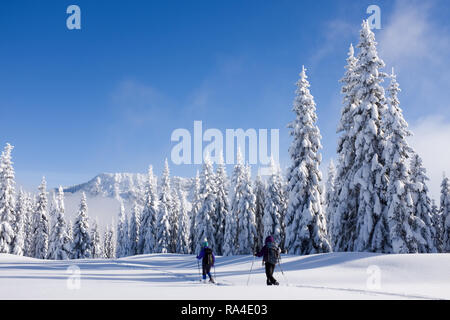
207	256
271	254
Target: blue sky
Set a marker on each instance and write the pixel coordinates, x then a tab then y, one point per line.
106	98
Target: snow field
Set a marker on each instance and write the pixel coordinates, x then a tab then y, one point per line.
175	276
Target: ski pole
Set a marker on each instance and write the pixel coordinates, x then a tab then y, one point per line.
285	278
251	268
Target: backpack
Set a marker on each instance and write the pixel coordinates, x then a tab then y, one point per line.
273	253
208	257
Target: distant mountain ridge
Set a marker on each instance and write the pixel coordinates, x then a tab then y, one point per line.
128	187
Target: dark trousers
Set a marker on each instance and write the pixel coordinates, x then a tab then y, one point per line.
270	268
206	268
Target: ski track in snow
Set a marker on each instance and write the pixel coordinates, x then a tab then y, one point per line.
370	292
192	279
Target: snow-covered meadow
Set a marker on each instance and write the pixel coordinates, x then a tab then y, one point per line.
175	276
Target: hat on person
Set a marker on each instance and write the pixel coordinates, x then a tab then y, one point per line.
269	239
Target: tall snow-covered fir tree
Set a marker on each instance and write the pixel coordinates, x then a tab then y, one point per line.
275	205
82	242
260	192
230	245
97	248
70	233
363	226
7	200
109	248
20	220
52	209
173	218
344	200
422	207
222	203
135	225
183	245
60	245
195	208
163	227
305	221
205	219
445	212
28	208
399	202
438	226
230	235
41	224
127	236
330	196
122	234
247	236
147	230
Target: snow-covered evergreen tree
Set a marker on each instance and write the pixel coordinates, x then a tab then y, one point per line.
205	228
7	201
275	205
52	209
230	245
364	226
60	245
438	227
445	212
135	224
399	202
422	207
173	219
344	200
222	203
122	234
230	235
127	236
260	192
147	230
183	245
305	221
163	227
28	208
97	248
70	234
196	203
82	242
20	217
41	224
109	247
330	196
246	233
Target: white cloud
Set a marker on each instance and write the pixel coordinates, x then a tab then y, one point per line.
414	42
410	35
431	140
